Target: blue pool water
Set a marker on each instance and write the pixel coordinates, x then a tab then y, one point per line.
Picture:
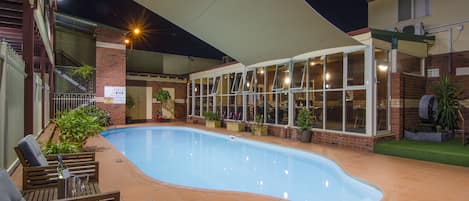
201	159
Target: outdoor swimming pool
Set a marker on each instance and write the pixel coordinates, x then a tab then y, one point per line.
202	159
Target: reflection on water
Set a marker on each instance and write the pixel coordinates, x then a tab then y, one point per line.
191	158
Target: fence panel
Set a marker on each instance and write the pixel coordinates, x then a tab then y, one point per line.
37	108
70	101
11	103
46	104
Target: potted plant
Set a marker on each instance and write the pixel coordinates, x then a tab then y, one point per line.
162	96
304	123
237	126
258	128
447	94
129	104
212	120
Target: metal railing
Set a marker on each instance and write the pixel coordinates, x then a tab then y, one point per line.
69	101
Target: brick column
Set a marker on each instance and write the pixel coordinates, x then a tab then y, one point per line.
397	110
110	69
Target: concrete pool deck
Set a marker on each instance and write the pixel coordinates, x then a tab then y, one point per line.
398	178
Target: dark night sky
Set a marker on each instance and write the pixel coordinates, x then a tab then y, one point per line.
163	36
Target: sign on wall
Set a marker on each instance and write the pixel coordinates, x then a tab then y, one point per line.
114	95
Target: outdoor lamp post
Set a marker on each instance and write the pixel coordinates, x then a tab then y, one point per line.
130	37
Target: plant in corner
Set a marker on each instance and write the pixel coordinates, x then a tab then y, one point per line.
212	120
447	94
304	123
129	104
259	128
161	96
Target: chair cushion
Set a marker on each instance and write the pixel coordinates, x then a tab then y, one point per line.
8	190
32	152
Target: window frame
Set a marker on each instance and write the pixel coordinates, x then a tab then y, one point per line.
215	85
237	83
276	77
303	75
428	10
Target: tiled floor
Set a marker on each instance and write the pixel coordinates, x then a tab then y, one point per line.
400	179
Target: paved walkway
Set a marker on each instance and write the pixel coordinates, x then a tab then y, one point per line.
399	178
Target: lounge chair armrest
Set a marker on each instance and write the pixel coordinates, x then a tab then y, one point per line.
113	195
46	176
72	157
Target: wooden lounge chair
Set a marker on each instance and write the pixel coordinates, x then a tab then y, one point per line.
36	165
8	191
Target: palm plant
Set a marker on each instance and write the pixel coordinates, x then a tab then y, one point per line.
447	94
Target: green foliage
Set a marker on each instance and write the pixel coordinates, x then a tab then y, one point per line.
103	118
76	126
84	71
211	116
129	102
60	148
304	120
162	96
259	119
447	94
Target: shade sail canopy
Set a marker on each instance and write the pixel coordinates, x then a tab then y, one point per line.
253	31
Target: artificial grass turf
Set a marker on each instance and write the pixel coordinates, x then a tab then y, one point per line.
450	152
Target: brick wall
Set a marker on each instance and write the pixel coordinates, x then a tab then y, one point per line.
110	70
406	91
458	60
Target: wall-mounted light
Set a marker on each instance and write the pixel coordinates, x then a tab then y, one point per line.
287	80
261	71
195	89
248	84
383	67
312	63
328	76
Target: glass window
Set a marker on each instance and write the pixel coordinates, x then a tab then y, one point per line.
421	8
316	73
300	103
197	106
356	68
334	71
204	86
355	111
282	110
270	108
260	105
197	87
334	110
249	81
270	71
405	10
227	83
216	85
189	100
250	107
299	75
203	109
282	79
260	74
237	82
382	99
316	107
407	63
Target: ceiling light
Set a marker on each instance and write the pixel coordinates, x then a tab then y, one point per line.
312	63
383	67
287	80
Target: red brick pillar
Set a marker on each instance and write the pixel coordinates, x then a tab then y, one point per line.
397	103
110	70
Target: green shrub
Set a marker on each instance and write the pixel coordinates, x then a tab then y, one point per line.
211	116
447	94
77	126
60	148
102	116
304	120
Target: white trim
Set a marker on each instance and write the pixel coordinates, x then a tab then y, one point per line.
116	46
346	49
237	67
